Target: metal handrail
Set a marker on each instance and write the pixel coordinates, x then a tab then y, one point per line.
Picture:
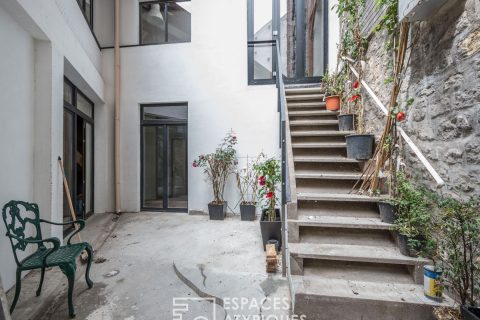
440	182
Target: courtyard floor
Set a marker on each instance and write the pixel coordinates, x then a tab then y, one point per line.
147	262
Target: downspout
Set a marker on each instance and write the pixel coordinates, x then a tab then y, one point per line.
117	74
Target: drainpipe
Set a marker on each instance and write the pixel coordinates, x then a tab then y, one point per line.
117	71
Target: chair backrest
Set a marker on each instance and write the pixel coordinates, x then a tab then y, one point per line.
17	215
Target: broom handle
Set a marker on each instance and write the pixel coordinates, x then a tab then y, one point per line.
67	191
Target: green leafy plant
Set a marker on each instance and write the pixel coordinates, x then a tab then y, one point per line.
219	165
334	84
458	233
269	177
414	216
247	183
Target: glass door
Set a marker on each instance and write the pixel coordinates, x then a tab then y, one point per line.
164	173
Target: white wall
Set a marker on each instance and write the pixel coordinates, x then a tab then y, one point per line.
210	73
333	35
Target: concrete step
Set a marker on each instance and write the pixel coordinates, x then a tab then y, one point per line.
305	97
313	210
341	222
324	159
328	168
338	197
314	122
320	133
346	236
315	145
348	293
328	175
299	90
317	105
313	113
356	253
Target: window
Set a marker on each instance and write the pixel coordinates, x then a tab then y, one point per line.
165	22
262	27
87	9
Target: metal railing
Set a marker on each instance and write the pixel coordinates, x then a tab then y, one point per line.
440	182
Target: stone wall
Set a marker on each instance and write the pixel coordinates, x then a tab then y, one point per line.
443	78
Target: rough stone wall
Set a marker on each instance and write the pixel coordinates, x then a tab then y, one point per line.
443	78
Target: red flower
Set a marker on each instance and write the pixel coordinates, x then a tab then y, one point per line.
354	97
356	85
194	164
269	195
261	180
401	116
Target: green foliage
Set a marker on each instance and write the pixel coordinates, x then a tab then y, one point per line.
389	20
334	84
414	215
458	233
219	165
352	44
269	177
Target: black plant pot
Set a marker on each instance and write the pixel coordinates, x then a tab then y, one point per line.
247	212
217	211
271	230
346	122
387	212
470	313
405	249
360	146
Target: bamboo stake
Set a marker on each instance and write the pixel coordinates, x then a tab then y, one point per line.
84	255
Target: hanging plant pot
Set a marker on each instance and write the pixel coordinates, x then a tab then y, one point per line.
360	146
346	122
271	230
247	212
332	103
470	313
387	212
432	283
217	211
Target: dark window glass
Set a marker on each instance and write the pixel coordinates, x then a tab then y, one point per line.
164	22
87	9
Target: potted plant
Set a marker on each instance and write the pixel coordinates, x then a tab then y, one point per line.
360	144
217	167
459	251
269	176
413	221
333	84
346	120
247	186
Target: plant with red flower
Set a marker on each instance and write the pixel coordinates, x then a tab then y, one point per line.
401	116
354	98
269	177
356	84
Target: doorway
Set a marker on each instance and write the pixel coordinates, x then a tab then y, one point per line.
164	150
77	153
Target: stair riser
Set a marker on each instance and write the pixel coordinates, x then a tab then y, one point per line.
334	152
367	237
296	139
328	167
327	127
339	308
316	107
341	209
313	117
338	186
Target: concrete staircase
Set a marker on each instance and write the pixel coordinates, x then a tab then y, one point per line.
344	262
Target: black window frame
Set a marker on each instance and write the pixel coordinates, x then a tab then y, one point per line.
251	42
166	2
82	8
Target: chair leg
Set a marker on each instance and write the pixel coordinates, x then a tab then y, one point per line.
89	263
18	287
69	271
39	290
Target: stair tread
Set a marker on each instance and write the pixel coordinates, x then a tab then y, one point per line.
379	291
318	104
319	145
312	158
319	133
305	97
312	122
313	113
337	197
342	222
329	175
347	252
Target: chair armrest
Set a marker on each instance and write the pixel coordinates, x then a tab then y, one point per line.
80	222
53	240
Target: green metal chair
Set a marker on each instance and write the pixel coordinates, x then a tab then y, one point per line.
65	257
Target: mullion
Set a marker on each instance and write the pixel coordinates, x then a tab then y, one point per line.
166	21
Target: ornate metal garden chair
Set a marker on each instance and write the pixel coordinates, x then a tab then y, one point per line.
17	221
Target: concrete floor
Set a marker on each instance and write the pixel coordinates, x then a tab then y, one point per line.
154	258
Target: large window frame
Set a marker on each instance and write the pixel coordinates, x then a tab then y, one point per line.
166	2
252	42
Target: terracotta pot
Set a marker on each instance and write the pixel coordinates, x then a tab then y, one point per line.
332	103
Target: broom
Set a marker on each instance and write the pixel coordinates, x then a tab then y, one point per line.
84	255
